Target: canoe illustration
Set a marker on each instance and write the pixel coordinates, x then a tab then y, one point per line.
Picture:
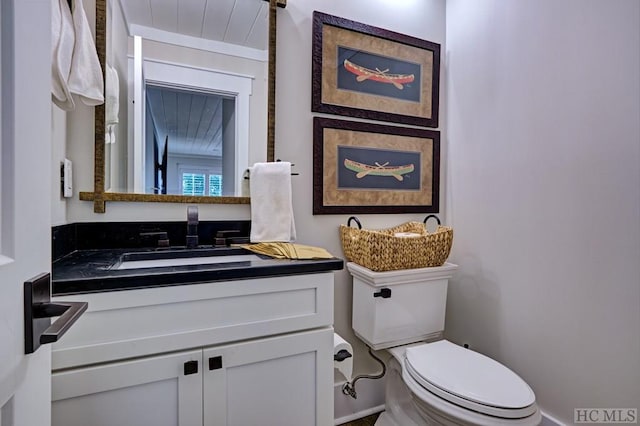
363	170
382	76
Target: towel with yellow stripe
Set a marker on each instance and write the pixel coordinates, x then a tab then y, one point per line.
289	251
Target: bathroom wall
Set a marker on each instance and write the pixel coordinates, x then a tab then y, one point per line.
544	184
540	179
423	19
419	18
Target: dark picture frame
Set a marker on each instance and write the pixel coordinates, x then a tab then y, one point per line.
362	168
368	72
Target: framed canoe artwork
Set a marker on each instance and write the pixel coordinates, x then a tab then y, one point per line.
368	72
372	168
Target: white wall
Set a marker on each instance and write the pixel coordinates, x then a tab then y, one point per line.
544	139
423	19
541	107
58	153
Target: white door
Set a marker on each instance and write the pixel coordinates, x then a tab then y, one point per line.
25	202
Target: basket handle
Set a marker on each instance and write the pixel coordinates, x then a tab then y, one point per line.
357	221
429	217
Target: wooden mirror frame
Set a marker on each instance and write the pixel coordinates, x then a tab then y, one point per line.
100	197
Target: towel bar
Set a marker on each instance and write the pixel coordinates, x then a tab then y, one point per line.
247	172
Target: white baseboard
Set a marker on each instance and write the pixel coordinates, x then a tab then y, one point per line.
370	401
548	420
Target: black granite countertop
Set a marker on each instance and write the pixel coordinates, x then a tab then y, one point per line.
90	271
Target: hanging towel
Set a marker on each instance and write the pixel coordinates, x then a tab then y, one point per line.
271	206
111	104
85	79
62	41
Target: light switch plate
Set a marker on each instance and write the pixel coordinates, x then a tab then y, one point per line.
67	179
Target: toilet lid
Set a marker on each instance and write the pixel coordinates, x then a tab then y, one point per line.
470	379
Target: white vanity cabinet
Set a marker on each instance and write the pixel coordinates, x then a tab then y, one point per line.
147	391
245	352
279	381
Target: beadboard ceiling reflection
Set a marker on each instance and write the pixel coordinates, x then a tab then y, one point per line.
240	22
191	121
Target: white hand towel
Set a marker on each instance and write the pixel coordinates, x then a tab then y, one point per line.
112	103
85	79
62	41
271	203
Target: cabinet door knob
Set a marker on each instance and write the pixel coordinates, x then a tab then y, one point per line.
215	363
190	367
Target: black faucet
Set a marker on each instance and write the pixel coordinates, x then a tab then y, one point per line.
192	227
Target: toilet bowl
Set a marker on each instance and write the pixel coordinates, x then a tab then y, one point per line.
441	383
431	381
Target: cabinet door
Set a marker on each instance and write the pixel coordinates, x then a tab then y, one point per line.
284	381
161	391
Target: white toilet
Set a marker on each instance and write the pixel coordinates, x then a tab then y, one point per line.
431	381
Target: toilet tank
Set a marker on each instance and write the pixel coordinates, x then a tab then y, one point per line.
398	307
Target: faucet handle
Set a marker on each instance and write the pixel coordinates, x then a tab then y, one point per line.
223	238
160	238
227	233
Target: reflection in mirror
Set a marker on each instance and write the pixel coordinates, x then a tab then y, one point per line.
186	95
184	157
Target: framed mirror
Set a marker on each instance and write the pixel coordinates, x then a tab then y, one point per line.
189	100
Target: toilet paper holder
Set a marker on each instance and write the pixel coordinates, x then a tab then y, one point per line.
341	355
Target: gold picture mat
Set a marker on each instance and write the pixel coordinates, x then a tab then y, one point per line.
334	196
328	198
356	66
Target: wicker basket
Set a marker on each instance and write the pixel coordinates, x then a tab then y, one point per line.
380	250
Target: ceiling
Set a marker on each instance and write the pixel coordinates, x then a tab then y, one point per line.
240	22
189	118
190	122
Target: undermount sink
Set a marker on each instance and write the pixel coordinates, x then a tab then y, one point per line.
163	259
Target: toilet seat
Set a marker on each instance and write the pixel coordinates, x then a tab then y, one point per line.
470	380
